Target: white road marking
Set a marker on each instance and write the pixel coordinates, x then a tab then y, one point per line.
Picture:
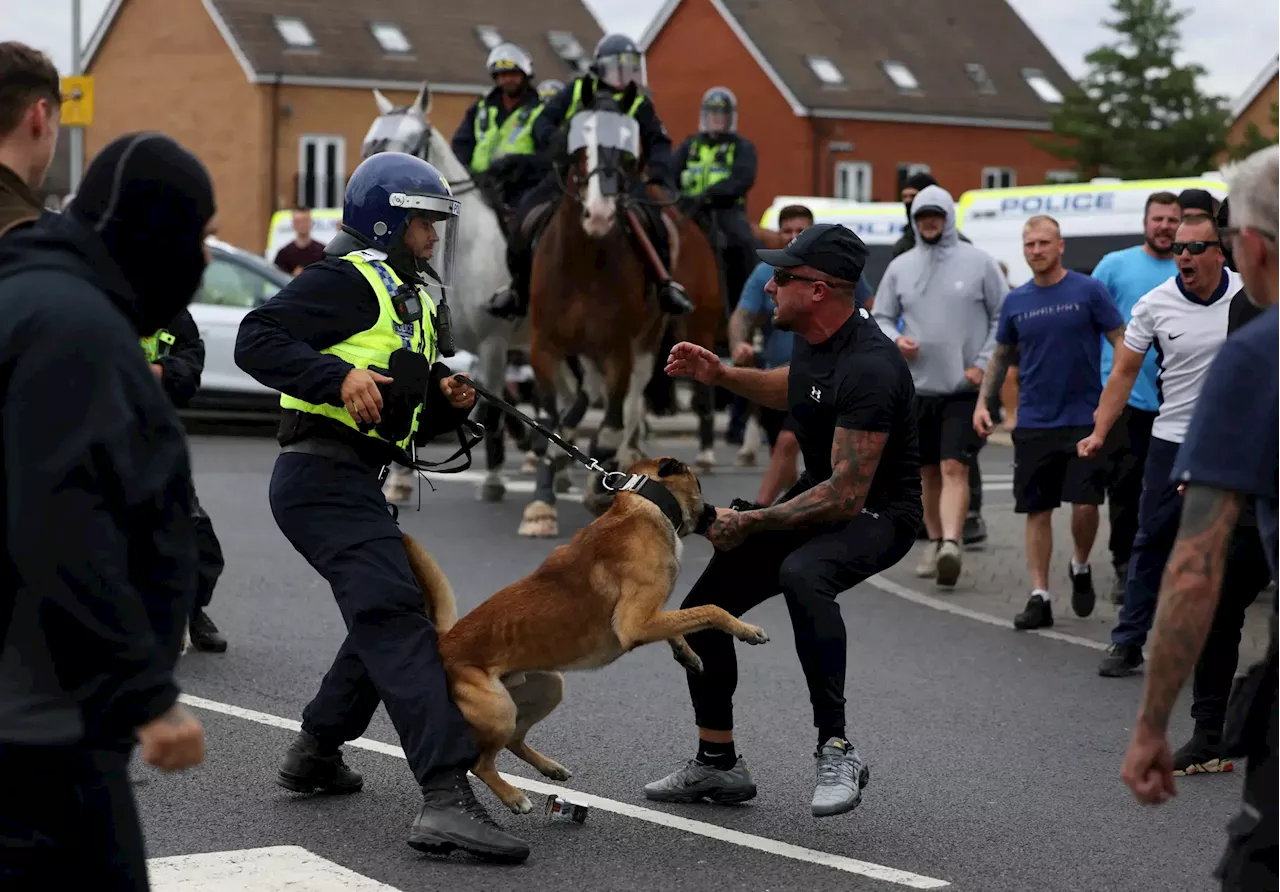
269	869
915	597
702	828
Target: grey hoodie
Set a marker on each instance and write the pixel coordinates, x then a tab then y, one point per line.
948	297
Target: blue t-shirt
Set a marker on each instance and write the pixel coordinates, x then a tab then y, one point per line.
1056	330
1232	442
777	344
1128	275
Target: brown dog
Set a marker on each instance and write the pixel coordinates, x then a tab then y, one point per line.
593	599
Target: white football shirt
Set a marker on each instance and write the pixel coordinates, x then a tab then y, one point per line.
1186	334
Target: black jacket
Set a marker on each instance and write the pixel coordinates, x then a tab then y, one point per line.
98	572
655	142
184	363
742	176
279	345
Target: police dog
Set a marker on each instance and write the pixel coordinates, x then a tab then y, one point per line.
593	599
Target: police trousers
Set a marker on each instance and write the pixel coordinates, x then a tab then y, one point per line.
333	512
68	821
736	250
209	561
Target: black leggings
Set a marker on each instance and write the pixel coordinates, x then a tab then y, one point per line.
810	568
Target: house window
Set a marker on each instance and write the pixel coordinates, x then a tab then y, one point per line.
907	170
1061	176
998	178
294	32
901	76
978	74
1044	89
825	70
391	38
321	171
489	36
853	180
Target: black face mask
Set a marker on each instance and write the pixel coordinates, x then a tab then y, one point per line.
149	200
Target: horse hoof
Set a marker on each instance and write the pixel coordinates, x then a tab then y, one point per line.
539	521
492	491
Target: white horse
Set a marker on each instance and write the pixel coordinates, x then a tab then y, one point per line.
481	269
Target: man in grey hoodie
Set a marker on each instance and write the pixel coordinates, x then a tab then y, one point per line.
947	294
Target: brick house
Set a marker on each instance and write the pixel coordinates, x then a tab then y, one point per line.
275	95
1254	105
847	102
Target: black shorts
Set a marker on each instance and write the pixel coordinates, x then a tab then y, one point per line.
945	424
771	421
1047	471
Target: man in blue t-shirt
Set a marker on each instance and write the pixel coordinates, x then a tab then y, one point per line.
1128	275
1055	322
1231	453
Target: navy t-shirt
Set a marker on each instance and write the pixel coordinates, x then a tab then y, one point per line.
1056	330
1232	442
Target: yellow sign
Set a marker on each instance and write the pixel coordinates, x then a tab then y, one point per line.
77	100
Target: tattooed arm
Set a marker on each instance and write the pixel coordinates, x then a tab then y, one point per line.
997	369
742	325
1188	597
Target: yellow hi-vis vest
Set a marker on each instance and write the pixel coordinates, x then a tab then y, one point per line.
156	345
374	346
708	164
514	137
576	103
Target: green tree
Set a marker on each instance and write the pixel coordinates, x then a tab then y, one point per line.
1138	113
1253	139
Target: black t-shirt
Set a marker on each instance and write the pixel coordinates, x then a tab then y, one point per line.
857	380
290	257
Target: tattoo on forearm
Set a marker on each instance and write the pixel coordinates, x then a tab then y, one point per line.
997	369
742	325
855	455
1189	595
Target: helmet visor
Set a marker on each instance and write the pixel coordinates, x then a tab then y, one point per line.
431	233
717	118
621	69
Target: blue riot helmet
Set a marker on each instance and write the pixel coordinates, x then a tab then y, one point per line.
617	61
549	88
384	195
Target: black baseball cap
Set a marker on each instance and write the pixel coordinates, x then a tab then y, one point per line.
1197	200
828	247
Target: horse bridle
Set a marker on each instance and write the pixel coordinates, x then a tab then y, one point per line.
463	186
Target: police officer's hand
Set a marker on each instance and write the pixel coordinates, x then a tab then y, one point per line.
361	396
459	395
691	361
157	369
173	741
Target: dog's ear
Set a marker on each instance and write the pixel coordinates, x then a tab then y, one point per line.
669	466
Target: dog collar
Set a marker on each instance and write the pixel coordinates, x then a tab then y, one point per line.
655	492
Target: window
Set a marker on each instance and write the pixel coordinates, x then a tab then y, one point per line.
1061	176
1037	81
978	74
825	69
229	284
321	171
906	170
998	178
488	35
391	38
901	76
853	180
294	32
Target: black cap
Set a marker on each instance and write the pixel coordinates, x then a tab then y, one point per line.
919	180
927	209
1197	200
827	247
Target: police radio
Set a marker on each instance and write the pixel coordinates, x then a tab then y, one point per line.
444	328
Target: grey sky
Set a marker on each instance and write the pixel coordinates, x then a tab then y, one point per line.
1233	39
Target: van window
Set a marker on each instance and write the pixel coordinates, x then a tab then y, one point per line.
229	284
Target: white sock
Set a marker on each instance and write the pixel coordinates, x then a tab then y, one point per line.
1042	593
1078	568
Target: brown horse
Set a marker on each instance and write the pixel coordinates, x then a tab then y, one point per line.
590	295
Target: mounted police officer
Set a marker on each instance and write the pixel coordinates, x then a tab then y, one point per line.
495	138
351	343
549	87
617	62
717	168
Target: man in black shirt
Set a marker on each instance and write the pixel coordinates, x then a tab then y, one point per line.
852	514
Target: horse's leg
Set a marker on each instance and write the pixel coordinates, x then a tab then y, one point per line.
641	372
608	441
704	407
492	365
540	518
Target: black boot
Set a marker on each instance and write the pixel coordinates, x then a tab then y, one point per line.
452	818
508	303
310	768
204	634
673	299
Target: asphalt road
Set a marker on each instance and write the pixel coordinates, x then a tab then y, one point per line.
994	756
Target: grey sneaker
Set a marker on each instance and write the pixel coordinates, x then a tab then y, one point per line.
696	781
841	777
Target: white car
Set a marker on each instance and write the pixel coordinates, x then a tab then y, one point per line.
234	283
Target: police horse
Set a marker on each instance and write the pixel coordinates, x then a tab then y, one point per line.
481	269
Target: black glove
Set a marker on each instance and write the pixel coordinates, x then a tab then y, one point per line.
744	505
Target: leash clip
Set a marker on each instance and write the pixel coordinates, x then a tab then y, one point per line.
632	484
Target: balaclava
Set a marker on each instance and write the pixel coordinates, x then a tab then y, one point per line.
917	181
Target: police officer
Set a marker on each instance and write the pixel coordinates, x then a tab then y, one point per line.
717	168
549	87
617	62
495	138
176	356
351	343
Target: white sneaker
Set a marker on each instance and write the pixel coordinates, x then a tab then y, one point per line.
928	566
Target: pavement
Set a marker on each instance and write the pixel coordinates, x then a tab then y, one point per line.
994	755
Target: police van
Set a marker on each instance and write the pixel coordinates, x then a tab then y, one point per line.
1096	217
324	226
879	224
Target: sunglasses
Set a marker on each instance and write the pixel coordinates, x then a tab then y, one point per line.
782	277
1196	248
